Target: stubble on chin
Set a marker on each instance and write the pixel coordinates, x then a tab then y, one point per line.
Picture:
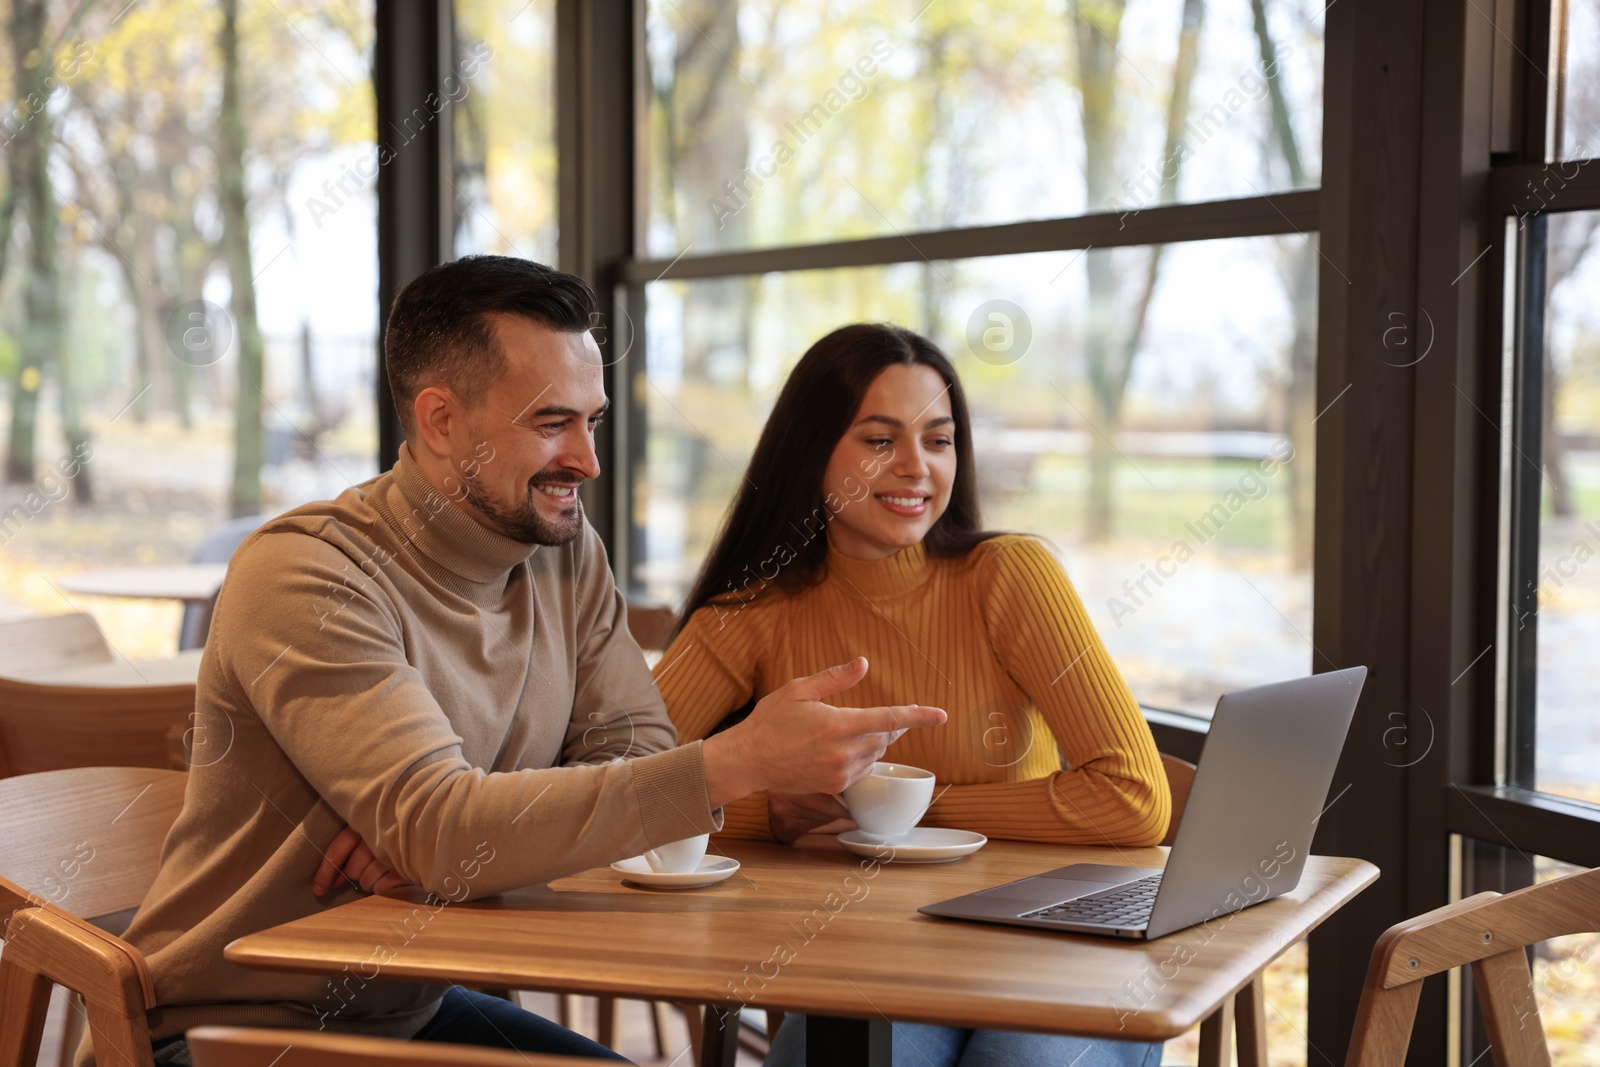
525	523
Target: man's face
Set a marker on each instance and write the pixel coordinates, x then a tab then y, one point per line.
532	440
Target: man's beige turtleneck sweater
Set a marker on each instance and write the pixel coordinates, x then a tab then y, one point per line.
473	706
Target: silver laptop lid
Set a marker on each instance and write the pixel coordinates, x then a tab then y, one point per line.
1263	779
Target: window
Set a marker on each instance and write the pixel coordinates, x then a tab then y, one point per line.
775	124
1183	496
1575	47
1556	601
1569	595
1145	427
194	354
505	151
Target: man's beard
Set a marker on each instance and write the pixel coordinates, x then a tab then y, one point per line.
523	522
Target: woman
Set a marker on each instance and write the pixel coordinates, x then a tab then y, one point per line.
856	532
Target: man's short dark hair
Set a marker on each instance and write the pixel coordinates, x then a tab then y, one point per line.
439	331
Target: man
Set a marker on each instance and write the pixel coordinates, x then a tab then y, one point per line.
439	660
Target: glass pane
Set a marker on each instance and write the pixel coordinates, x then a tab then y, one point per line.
782	123
505	128
1567	740
164	343
1179	500
1579	88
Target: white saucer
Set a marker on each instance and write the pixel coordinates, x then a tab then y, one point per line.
925	844
712	869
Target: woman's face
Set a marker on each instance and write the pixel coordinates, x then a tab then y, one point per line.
889	478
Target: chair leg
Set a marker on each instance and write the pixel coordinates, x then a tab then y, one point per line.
71	1030
119	1039
606	1023
1216	1036
694	1016
660	1021
24	1000
1250	1023
1383	1024
1510	1010
568	1009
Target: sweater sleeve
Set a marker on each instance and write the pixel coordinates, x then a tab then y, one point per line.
335	691
710	669
1112	788
617	711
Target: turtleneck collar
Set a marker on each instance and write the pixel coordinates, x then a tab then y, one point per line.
450	537
904	572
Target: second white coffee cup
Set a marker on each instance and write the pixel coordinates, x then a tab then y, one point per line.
890	800
678	857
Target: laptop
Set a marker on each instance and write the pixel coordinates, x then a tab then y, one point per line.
1263	777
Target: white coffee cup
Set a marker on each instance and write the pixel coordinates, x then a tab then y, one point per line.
679	857
890	800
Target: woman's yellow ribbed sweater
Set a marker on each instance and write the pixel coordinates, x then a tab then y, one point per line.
1044	740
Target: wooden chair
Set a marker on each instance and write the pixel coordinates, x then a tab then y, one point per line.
1491	932
47	643
651	625
77	847
230	1046
48	727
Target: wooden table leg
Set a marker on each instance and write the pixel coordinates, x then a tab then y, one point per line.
1216	1036
1250	1023
719	1045
832	1042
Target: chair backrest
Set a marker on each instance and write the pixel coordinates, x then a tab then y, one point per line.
231	1046
46	727
1180	777
49	642
76	845
218	546
1490	932
87	840
651	625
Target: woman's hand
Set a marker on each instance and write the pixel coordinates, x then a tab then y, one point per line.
793	815
349	859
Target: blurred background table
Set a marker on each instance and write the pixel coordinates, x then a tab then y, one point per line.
192	583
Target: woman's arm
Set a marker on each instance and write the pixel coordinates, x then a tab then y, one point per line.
1114	790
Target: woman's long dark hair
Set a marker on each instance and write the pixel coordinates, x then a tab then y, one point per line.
772	534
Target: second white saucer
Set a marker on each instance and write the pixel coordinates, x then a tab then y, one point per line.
712	869
925	844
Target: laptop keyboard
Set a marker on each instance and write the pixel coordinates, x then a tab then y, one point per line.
1126	905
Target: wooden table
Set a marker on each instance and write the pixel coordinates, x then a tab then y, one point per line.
818	930
189	582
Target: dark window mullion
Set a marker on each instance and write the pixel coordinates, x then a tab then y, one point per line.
1527	497
1297	212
